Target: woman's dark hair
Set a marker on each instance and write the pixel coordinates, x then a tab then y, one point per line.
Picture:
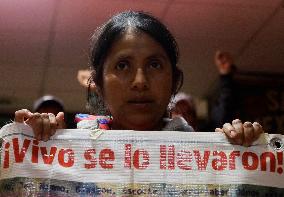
106	35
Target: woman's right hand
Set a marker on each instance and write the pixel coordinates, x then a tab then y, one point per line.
44	125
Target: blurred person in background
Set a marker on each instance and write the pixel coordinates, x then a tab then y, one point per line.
183	106
48	104
225	105
224	108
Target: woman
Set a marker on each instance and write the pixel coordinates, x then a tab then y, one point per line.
134	60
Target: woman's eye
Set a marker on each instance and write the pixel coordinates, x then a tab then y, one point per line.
155	65
122	66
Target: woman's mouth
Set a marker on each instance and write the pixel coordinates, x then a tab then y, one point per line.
141	103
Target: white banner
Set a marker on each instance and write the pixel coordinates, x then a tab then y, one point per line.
144	163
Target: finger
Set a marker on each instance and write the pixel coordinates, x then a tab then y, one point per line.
238	126
22	114
229	130
219	130
46	127
230	133
36	123
222	131
258	130
60	121
248	134
53	123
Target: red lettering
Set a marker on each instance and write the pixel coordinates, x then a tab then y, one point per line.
19	155
245	161
89	155
171	157
163	157
136	159
220	163
70	157
35	151
48	158
232	159
201	163
127	156
263	161
105	156
7	156
184	157
280	158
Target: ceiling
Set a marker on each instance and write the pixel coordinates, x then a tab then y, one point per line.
44	43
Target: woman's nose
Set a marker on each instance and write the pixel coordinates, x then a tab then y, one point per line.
140	81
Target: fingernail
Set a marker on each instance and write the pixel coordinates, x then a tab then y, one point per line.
257	124
237	121
247	124
233	133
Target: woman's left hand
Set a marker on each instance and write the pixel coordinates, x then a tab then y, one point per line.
241	133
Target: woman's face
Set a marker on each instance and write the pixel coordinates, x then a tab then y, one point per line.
137	82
